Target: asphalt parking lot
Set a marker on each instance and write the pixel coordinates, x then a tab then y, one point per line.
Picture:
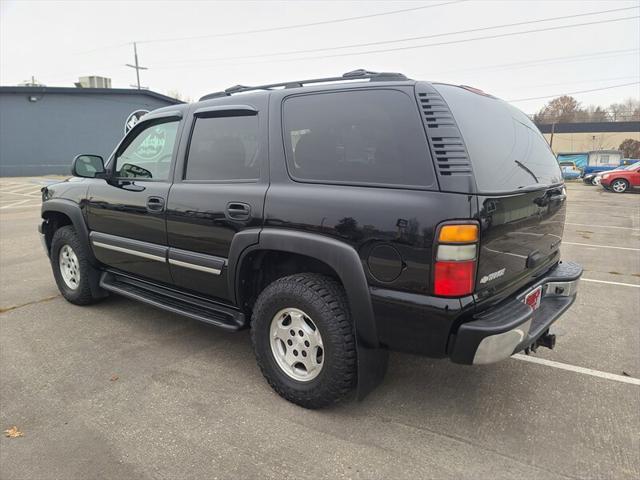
122	390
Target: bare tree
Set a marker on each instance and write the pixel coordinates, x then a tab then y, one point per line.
630	148
564	109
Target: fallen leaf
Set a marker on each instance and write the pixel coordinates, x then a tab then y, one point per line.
13	432
114	378
625	374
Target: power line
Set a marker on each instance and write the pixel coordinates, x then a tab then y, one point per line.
412	47
580	81
542	61
572	93
278	28
300	25
407	39
451	42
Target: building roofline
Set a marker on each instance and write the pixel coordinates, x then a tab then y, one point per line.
590	127
100	91
591	151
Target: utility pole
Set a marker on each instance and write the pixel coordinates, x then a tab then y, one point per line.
137	67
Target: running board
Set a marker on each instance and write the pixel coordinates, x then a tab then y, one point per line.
174	301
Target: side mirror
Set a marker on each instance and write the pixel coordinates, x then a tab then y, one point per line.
88	166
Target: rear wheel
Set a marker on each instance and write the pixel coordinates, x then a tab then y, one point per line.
303	339
620	185
71	268
595	180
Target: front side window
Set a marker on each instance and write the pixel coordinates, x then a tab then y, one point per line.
149	154
224	149
357	137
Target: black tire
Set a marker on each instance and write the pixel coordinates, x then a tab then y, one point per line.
622	182
82	294
325	302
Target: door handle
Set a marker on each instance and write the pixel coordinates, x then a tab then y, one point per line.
155	204
238	211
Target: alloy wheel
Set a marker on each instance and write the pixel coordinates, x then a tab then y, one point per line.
296	344
69	267
619	186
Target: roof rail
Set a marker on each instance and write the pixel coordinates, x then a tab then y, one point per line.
359	74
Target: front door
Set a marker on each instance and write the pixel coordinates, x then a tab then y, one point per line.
219	188
126	214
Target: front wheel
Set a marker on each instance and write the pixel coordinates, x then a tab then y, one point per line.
303	339
595	180
71	268
620	185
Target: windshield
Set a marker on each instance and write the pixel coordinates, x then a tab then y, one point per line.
633	166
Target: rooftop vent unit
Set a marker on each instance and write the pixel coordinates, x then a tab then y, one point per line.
93	81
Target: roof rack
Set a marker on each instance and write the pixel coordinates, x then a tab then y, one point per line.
353	75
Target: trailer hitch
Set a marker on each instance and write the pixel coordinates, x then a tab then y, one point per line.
547	340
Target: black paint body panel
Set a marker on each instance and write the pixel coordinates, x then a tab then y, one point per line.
378	240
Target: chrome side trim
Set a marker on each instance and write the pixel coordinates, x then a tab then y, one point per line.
129	251
193	266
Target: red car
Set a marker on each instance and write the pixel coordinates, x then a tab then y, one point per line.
622	180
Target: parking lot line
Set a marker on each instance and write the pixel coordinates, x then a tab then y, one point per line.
601	246
601	226
573	368
15	204
609	283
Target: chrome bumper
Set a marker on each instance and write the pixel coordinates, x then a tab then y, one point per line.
501	331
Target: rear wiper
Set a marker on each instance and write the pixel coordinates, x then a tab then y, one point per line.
521	165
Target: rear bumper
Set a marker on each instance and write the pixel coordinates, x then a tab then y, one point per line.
512	326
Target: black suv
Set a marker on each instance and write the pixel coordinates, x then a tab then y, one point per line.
338	218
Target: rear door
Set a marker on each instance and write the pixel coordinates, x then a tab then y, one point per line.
219	189
126	215
520	192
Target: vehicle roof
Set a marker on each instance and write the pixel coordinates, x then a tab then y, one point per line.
353	79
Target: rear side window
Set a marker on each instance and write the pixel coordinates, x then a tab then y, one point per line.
506	149
223	149
357	137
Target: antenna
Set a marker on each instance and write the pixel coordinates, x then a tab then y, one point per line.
137	67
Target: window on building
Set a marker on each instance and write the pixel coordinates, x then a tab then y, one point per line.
149	154
604	159
224	148
357	137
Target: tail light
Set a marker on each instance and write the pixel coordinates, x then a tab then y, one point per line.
454	270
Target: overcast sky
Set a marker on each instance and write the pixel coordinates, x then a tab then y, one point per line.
59	41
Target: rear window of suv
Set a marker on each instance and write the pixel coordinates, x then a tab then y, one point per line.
367	137
506	149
